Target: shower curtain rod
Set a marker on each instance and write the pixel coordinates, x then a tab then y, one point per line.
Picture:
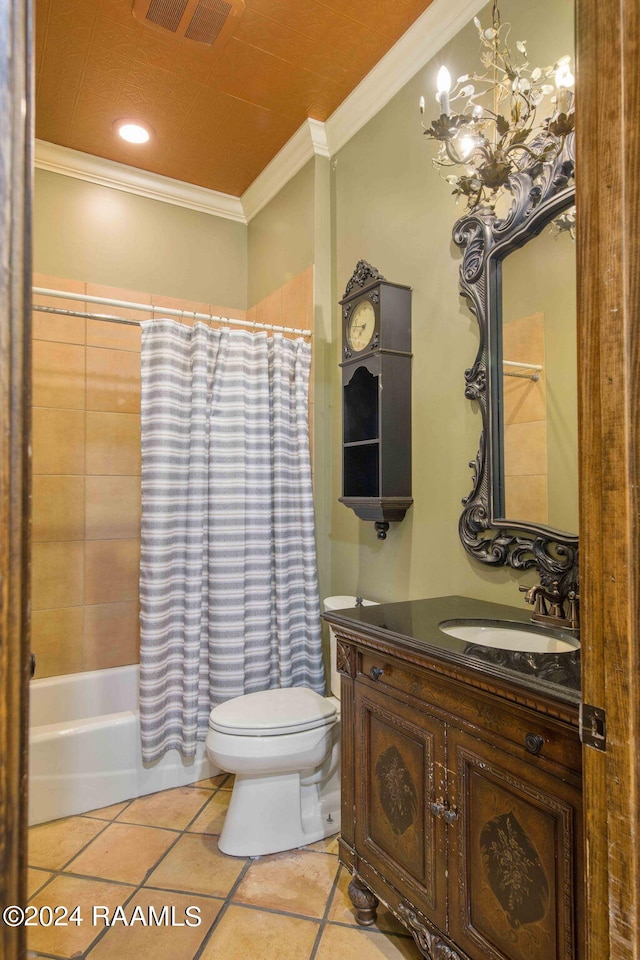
146	308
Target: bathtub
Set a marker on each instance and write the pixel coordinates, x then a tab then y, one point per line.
84	746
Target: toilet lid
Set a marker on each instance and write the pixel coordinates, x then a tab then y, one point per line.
271	713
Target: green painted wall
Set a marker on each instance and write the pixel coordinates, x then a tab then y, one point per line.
392	209
83	231
281	236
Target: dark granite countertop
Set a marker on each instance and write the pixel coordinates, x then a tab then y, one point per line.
415	624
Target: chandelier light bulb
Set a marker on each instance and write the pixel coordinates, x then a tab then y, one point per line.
443	82
564	78
490	145
466	147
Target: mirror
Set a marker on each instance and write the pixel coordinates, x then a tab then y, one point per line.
537	394
518	278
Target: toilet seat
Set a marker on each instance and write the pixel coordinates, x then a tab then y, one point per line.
271	713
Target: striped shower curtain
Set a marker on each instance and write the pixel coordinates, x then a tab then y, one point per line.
228	582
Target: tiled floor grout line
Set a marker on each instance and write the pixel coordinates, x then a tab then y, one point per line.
322	922
152	869
138	887
325	916
63	869
223	910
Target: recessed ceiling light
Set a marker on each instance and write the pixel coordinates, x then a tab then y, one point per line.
133	131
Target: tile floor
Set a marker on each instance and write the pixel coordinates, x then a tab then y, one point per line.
162	850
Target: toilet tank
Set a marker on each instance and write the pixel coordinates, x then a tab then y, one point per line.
339	603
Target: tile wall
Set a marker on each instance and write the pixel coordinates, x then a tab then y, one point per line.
525	422
86	471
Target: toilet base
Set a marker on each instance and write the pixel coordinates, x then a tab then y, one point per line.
272	814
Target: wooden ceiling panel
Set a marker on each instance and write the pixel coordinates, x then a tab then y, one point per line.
219	116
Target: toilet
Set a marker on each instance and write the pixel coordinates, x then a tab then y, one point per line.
283	745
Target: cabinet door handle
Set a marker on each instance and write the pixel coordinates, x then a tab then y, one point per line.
437	809
534	743
450	816
376	672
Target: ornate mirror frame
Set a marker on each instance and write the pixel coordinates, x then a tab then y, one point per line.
540	192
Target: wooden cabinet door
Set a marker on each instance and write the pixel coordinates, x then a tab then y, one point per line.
515	847
399	773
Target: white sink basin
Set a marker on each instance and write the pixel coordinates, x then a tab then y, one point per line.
507	636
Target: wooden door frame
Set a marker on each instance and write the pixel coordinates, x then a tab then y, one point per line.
608	199
15	290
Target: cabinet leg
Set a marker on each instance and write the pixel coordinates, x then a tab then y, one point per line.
364	902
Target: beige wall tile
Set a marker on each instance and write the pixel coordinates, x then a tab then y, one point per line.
47	326
57	508
297	301
117	293
216	310
269	310
524	400
111	635
113	380
113	444
56	640
112	571
526	498
56	575
58	441
525	448
58	375
118	336
100	333
58	283
113	508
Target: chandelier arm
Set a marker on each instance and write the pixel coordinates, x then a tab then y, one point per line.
538	157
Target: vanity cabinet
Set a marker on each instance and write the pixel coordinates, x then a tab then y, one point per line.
461	806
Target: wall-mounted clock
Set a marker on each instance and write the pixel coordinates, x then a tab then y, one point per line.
376	397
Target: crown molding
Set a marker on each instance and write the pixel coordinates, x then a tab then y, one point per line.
142	183
439	23
308	141
431	31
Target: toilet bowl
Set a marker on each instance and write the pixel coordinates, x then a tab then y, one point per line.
283	745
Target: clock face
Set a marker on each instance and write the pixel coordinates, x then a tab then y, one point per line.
361	325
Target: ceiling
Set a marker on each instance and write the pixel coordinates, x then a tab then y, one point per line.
219	115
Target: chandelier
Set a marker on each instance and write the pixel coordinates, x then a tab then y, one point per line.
488	125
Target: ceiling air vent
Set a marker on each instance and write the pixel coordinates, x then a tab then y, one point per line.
200	21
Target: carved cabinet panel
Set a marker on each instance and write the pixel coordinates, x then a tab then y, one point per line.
516	849
469	834
399	782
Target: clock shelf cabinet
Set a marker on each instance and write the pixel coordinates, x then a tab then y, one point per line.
376	398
